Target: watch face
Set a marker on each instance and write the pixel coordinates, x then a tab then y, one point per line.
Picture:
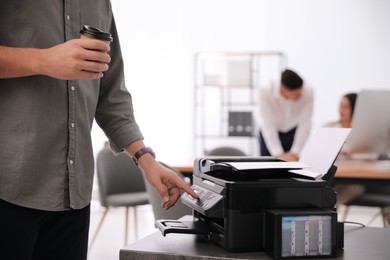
306	235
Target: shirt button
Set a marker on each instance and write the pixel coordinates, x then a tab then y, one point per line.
72	88
71	162
72	125
67	17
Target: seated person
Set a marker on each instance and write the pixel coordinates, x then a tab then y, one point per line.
346	192
346	107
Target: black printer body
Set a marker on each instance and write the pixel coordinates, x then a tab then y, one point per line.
260	210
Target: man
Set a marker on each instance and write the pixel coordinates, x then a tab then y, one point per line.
286	110
52	85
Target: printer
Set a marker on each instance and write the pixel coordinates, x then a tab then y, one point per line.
261	204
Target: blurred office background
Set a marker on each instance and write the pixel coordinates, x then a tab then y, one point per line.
336	45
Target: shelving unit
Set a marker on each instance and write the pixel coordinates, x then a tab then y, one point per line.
225	97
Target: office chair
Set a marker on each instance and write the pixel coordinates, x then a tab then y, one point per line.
373	197
175	212
121	184
225	151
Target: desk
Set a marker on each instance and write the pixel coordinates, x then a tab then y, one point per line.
363	172
363	169
185	169
359	243
375	176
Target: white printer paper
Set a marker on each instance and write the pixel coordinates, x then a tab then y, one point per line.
321	151
267	165
317	156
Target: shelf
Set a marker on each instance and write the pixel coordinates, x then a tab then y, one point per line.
225	97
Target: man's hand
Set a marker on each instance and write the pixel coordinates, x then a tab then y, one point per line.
72	60
76	59
289	156
164	180
167	184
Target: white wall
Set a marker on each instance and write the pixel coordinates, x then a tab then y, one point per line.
336	45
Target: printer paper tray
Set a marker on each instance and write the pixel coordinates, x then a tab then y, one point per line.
185	227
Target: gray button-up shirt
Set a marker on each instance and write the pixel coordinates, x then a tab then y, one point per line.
46	159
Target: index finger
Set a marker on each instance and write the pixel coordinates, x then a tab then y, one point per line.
183	185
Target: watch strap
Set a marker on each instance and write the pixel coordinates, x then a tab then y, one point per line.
141	152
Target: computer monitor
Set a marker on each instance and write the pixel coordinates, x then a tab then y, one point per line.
370	132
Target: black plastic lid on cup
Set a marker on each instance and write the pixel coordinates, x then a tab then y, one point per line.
96	33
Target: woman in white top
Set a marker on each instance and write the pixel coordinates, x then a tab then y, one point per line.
346	108
346	192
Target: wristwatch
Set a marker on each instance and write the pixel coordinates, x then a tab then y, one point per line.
141	152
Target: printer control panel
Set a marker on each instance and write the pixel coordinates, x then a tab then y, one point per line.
207	203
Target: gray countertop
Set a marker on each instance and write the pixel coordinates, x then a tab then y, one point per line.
360	243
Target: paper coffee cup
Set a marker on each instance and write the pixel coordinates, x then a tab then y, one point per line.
95	33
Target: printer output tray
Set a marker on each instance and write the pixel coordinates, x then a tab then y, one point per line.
184	227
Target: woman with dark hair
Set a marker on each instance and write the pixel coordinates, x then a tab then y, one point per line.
346	108
346	192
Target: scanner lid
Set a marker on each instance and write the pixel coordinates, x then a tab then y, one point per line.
249	170
320	153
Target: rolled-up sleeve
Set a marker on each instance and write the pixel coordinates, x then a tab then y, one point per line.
114	111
